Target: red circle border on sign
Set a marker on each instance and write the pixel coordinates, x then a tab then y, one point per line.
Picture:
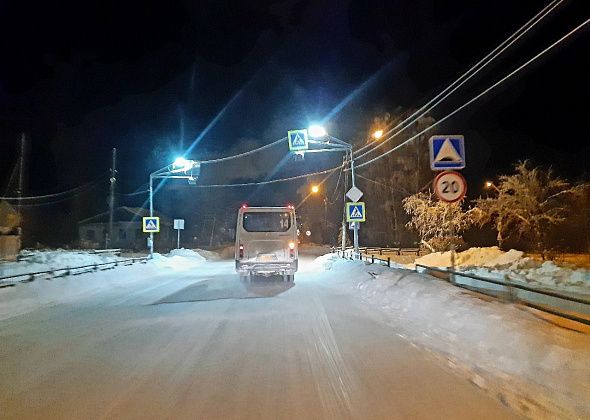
436	178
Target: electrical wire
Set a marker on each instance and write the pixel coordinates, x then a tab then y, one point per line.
272	181
48	203
133	193
502	80
240	155
464	78
42	197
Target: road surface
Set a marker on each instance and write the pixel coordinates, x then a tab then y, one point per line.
200	344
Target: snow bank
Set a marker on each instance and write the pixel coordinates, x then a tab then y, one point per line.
541	370
494	263
50	260
48	291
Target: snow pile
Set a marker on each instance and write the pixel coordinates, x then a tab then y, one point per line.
535	367
486	257
36	261
321	264
494	263
178	260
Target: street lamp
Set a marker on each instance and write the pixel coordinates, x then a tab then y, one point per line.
315	189
316	130
378	134
490	184
181	168
332	144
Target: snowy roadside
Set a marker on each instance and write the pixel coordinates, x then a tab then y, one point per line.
493	263
50	260
49	291
537	368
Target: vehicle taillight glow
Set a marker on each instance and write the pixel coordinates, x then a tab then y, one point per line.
241	251
244	206
291	245
290	206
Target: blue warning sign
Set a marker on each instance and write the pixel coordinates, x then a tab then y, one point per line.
297	140
151	224
447	152
355	212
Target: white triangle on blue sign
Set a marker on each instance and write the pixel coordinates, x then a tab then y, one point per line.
448	153
356	213
298	140
150	225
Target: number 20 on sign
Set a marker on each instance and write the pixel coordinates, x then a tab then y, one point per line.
450	186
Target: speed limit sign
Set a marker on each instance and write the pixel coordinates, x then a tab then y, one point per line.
450	186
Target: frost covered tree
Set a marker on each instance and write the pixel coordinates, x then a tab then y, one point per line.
439	224
527	204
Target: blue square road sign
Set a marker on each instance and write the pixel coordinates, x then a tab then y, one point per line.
298	140
151	224
355	212
447	152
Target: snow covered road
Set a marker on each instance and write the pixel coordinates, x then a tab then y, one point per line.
198	343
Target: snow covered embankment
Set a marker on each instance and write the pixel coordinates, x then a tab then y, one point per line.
494	263
49	291
537	368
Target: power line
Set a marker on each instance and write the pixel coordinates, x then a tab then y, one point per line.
509	75
272	181
464	78
48	203
42	197
240	155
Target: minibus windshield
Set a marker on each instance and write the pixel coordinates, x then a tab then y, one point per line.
267	221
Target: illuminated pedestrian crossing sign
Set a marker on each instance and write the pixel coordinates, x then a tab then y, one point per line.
355	212
447	152
297	140
151	224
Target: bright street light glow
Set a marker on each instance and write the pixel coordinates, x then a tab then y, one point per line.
316	130
180	162
377	134
315	189
489	184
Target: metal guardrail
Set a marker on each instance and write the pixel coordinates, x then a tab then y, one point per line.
381	250
29	277
510	286
350	255
512	296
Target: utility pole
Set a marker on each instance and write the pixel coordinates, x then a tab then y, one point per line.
113	180
21	177
343	245
356	225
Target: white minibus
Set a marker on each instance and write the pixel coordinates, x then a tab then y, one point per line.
266	242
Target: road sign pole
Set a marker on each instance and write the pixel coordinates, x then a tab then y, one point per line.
151	215
356	226
178	240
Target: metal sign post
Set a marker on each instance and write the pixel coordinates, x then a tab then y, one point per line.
178	225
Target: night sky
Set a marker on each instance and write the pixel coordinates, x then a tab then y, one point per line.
80	78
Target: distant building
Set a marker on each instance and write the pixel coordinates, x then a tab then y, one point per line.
127	230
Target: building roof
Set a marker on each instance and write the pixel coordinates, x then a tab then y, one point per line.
126	214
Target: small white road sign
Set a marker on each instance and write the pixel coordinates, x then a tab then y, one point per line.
354	194
450	186
179	224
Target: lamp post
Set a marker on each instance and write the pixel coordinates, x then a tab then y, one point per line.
181	169
328	143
